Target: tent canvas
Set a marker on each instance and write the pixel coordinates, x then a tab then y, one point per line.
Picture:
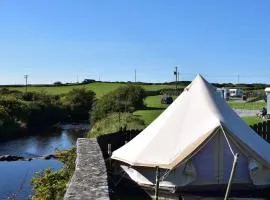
200	129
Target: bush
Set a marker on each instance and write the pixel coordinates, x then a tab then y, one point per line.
16	109
58	83
79	102
51	184
124	99
41	114
87	81
8	125
39	96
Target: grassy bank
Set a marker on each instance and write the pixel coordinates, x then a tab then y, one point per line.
114	122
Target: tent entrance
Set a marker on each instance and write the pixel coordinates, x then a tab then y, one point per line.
214	161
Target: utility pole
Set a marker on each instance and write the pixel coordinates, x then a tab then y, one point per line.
238	77
176	74
26	78
135	76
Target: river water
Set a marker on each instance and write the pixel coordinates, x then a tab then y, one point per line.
15	177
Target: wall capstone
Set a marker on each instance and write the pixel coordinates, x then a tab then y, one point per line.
89	180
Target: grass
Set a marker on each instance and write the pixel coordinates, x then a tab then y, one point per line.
247	106
154	108
113	122
250	120
99	88
147	115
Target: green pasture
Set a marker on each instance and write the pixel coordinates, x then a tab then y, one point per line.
154	108
99	88
247	106
252	120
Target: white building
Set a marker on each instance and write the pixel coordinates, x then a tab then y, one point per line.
267	91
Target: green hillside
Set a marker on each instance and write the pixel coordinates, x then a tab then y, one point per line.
99	88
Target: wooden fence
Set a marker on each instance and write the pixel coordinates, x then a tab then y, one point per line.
263	130
116	140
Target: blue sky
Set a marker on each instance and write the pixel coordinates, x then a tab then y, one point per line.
67	40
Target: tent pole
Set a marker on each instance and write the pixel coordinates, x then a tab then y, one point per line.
231	176
157	183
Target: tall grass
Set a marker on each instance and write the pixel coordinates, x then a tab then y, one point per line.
113	122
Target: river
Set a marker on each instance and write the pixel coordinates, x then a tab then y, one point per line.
15	177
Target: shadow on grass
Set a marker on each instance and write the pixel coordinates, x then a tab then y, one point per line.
153	108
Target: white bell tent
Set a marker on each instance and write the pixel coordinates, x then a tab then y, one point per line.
194	142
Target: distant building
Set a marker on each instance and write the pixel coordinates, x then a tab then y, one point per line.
267	91
236	92
224	93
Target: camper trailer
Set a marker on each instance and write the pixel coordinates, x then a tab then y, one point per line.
235	92
224	93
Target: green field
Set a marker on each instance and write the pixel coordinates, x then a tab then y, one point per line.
252	120
99	88
155	108
247	106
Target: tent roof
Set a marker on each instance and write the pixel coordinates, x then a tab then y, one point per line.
185	125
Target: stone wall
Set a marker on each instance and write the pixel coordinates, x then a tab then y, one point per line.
90	179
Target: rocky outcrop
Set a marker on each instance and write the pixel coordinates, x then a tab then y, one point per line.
10	158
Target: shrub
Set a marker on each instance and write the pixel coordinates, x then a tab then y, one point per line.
124	99
41	114
8	125
79	102
15	108
51	184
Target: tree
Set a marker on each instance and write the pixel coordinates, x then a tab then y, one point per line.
58	83
86	81
79	102
124	99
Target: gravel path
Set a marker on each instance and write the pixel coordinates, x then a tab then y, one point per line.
246	113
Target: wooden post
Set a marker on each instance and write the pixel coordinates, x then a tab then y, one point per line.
157	183
231	176
109	149
110	153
